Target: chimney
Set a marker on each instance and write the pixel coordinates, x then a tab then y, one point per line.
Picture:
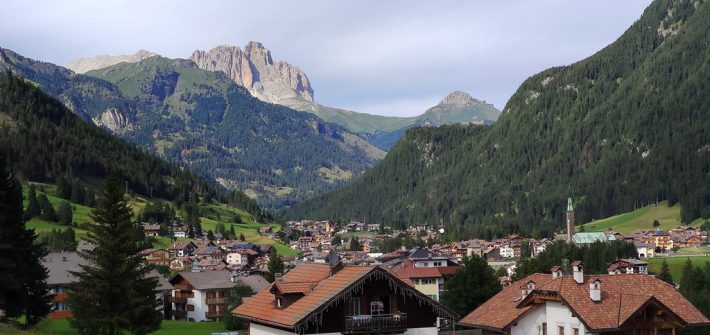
278	277
595	290
578	272
527	288
556	271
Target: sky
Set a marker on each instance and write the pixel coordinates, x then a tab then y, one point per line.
396	57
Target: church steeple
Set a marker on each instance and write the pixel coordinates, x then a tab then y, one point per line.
570	220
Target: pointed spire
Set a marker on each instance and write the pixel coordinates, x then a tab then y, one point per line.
569	205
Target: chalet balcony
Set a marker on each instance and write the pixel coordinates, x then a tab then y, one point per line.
370	324
216	301
178	300
179	314
214	315
181	287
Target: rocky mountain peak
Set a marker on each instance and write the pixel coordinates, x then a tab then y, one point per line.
254	69
83	65
458	99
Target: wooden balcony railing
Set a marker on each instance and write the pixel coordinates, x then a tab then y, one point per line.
367	324
179	314
213	315
216	301
178	300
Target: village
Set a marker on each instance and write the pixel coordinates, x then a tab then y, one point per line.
203	271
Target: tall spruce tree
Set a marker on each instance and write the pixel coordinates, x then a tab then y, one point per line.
47	211
32	204
665	274
23	277
65	216
113	293
276	265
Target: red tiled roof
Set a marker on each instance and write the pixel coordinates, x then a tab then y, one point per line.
294	287
622	296
262	308
406	270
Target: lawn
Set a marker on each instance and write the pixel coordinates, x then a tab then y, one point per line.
641	219
168	327
675	264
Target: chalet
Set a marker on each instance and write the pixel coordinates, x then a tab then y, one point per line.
694	241
180	232
59	266
577	304
151	229
426	271
645	250
662	240
209	251
628	266
181	263
506	251
241	257
336	298
182	249
155	256
200	296
211	264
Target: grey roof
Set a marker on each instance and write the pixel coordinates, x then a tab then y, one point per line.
591	237
163	284
206	280
255	281
59	264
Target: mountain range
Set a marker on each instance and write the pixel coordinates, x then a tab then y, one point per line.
626	126
203	120
285	84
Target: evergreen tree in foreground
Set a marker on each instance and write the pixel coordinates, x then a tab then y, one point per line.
24	279
113	294
470	286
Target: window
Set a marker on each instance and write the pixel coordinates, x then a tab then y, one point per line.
427	281
575	331
355	307
377	307
544	328
190	308
560	330
437	264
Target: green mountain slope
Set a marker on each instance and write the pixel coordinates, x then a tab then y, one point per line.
44	141
203	120
626	125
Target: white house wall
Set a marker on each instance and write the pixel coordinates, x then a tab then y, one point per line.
554	314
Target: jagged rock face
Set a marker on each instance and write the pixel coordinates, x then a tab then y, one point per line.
113	120
83	65
458	99
254	69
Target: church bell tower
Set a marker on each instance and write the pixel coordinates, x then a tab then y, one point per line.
570	220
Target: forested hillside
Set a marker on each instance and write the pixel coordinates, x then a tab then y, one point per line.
203	120
624	126
45	142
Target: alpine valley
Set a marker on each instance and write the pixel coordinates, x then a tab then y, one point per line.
224	114
626	126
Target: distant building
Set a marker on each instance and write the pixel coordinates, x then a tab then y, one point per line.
200	296
426	271
620	266
151	229
582	239
645	250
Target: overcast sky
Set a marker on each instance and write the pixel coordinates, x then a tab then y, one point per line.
374	56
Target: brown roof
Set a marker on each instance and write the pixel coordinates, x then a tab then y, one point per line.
327	288
407	270
622	296
206	280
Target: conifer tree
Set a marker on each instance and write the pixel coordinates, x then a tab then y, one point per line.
471	286
232	233
47	211
64	213
355	244
78	193
276	265
241	237
32	204
23	277
665	274
113	293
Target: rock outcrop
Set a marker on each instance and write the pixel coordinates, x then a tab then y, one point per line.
254	69
83	65
113	120
459	99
